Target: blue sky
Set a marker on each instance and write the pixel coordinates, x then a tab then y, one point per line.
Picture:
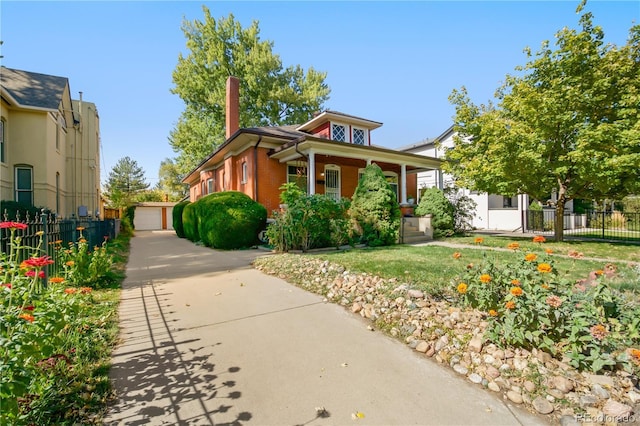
388	61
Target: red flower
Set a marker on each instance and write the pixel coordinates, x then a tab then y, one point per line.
29	308
13	225
32	274
7	285
38	262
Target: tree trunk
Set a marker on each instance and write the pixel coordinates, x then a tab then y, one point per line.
559	222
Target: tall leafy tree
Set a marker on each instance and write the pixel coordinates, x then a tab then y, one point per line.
567	122
126	180
170	180
269	93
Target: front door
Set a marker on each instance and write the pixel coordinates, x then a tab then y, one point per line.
332	182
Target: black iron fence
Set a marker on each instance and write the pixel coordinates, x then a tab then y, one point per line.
48	232
603	225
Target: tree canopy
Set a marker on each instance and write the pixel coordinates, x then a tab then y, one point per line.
567	122
270	94
170	181
125	181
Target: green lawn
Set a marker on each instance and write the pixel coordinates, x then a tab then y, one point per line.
433	268
596	249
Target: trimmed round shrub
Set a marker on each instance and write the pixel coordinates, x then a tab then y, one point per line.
190	222
177	218
230	220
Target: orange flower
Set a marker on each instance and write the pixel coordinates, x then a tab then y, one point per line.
545	286
56	280
510	304
635	356
462	288
493	313
57	242
27	317
530	257
539	239
513	246
576	255
478	240
82	240
70	290
80	228
548	251
598	332
516	291
515	281
85	290
457	255
70	263
599	272
544	268
485	278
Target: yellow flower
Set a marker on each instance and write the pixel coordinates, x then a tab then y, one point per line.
493	313
462	288
485	278
530	257
544	268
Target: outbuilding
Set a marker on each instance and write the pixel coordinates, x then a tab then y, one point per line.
152	216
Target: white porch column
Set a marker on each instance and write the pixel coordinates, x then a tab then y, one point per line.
368	161
311	173
403	184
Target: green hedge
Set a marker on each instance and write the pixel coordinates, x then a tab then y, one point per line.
13	208
229	220
190	222
177	218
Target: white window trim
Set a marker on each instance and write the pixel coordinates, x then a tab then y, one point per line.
347	132
245	172
365	136
15	186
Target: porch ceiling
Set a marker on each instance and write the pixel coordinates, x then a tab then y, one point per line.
301	149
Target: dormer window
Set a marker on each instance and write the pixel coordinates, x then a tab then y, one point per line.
358	136
338	132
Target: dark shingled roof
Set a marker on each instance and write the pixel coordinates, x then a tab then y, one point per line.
31	89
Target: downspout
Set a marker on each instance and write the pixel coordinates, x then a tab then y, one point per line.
255	169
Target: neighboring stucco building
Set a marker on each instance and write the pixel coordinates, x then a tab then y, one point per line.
326	155
49	145
492	212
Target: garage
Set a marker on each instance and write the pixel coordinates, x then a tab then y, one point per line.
152	216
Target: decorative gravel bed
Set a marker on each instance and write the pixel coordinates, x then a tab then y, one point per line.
453	336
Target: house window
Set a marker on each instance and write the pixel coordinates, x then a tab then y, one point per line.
332	181
509	202
57	136
298	175
359	136
203	188
209	186
392	179
24	184
244	172
2	140
57	192
338	132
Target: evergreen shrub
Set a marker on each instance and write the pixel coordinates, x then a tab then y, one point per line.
190	222
435	203
230	220
177	218
375	211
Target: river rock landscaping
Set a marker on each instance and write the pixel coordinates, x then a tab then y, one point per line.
456	336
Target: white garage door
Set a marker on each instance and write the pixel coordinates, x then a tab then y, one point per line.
148	218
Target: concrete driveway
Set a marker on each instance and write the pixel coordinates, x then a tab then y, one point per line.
208	340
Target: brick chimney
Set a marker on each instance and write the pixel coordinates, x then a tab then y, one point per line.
232	106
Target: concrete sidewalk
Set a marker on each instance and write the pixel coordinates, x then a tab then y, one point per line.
208	340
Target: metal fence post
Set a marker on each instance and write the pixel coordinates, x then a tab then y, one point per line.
603	219
45	242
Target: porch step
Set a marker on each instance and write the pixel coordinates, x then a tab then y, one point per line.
414	237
